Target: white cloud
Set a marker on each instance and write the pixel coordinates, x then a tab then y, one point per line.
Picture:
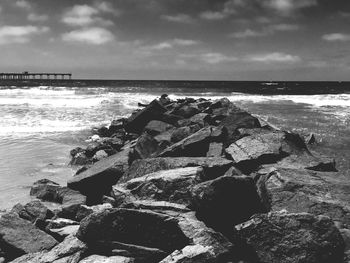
228	9
85	15
171	44
248	33
23	4
286	7
216	58
336	37
179	18
37	18
274	57
93	35
269	30
19	34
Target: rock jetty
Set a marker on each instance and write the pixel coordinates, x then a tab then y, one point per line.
191	180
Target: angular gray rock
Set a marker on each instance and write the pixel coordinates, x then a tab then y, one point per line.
156	127
19	236
98	179
138	227
293	238
32	211
213	166
195	145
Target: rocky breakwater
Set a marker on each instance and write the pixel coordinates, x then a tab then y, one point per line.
187	181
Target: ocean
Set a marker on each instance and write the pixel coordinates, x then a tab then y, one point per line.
41	121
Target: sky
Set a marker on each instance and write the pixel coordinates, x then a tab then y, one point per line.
178	39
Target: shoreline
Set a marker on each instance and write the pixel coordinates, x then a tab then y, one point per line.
179	168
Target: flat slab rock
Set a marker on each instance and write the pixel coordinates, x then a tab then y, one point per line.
103	259
19	236
69	250
137	227
213	166
102	175
301	190
293	238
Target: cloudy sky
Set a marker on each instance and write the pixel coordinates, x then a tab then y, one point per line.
178	39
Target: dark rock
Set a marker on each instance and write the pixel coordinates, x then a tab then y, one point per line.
68	197
202	119
84	211
80	159
137	122
186	111
76	150
32	211
45	190
98	179
103	132
207	245
146	146
226	201
116	125
213	167
164	99
170	185
195	145
183	132
286	238
156	127
19	236
138	227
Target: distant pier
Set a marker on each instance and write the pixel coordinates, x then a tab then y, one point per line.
31	76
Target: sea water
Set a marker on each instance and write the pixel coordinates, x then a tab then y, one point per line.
39	125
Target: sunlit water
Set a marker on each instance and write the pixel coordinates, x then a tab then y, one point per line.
39	126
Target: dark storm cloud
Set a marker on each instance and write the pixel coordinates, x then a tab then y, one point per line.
228	39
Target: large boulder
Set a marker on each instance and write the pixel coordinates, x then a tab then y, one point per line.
156	127
98	179
69	251
137	227
293	238
45	189
213	166
19	237
146	146
195	145
226	201
169	185
32	211
251	151
300	190
138	121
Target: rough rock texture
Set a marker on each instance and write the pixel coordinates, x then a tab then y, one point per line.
99	178
32	211
213	167
103	259
137	122
70	251
156	127
300	190
293	238
226	201
195	145
19	236
170	185
139	227
45	190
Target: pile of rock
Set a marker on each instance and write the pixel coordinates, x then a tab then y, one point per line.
186	181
